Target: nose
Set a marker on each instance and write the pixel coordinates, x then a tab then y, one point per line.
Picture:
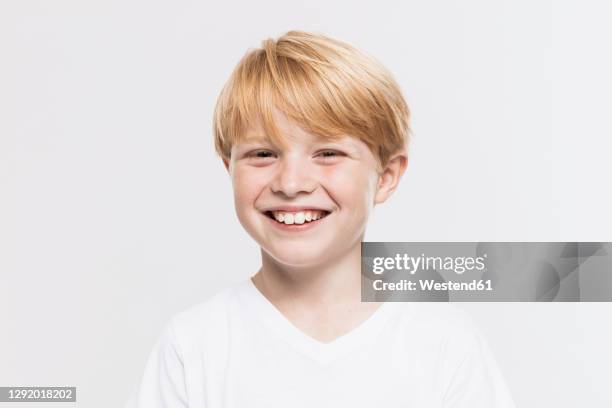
293	175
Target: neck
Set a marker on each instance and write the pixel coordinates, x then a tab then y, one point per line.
328	283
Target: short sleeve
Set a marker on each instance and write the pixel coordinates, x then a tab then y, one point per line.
163	383
476	381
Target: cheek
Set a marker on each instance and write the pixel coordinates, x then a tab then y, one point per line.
247	186
350	186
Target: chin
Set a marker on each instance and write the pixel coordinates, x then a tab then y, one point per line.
299	257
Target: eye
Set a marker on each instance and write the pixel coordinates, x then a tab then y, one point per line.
330	154
260	154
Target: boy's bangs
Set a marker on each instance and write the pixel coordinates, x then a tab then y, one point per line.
324	87
283	84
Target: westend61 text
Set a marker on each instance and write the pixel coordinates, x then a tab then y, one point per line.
431	285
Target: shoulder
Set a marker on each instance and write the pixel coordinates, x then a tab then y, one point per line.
203	311
438	316
443	324
192	327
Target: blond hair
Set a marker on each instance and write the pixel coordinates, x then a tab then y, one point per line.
326	86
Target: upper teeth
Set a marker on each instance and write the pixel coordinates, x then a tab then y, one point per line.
297	217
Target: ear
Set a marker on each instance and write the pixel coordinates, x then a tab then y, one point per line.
389	178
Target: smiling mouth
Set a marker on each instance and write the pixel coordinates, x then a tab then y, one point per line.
297	218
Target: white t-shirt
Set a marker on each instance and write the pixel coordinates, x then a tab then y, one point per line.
238	350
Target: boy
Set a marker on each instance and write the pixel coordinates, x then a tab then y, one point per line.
314	134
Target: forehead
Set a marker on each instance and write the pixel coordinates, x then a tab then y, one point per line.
287	130
283	132
289	133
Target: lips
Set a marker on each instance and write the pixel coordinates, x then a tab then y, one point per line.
296	217
306	218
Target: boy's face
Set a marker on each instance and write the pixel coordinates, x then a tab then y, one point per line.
280	193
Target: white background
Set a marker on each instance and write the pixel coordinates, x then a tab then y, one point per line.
115	212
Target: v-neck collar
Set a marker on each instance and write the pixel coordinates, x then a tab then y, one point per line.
324	353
